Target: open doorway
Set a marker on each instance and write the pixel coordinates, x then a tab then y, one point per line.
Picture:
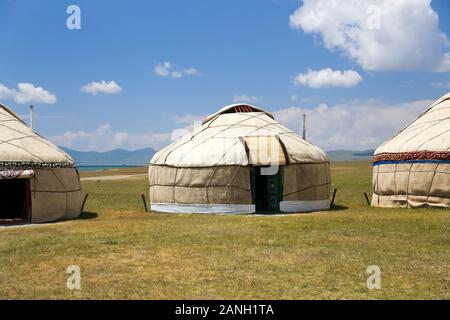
267	191
15	201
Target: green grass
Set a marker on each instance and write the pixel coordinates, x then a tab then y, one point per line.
126	253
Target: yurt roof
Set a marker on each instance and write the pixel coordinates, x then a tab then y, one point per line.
229	107
20	146
247	137
429	132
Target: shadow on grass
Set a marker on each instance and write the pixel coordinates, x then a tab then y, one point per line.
83	216
87	215
336	207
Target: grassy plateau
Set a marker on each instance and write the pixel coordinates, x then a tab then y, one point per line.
126	253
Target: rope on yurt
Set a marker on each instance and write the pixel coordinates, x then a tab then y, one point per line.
407	186
174	184
63	187
20	147
43	140
431	182
437	136
418	133
10	114
208	126
407	126
231	147
376	186
395	178
307	188
178	144
418	125
247	117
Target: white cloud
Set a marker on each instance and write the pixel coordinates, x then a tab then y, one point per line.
176	74
107	87
178	133
353	125
246	98
27	93
120	138
105	138
190	71
163	69
328	78
440	85
168	69
295	98
356	125
188	119
378	34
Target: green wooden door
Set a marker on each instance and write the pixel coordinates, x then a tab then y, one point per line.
267	191
273	193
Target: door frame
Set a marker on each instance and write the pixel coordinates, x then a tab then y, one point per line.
254	171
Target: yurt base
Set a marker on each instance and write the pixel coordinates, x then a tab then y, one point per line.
410	201
283	207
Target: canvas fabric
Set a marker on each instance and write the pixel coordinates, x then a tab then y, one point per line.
55	194
232	184
54	180
412	169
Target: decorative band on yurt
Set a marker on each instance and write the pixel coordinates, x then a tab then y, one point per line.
16	174
17	165
424	156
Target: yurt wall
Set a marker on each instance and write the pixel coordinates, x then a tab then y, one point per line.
412	169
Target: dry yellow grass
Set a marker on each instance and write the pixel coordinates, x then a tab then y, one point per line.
125	253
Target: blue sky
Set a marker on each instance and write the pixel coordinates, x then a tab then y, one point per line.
237	50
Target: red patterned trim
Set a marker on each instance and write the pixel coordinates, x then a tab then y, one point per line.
10	174
243	108
410	156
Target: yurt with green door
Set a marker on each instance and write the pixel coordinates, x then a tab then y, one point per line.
38	181
240	161
412	169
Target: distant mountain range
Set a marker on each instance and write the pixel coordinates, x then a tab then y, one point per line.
345	155
117	157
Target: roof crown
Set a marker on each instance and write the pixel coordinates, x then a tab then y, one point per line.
237	107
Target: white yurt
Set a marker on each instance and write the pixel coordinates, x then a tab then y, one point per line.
412	169
38	181
240	160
